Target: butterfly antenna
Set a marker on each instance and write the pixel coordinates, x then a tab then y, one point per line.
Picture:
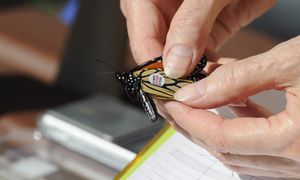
107	64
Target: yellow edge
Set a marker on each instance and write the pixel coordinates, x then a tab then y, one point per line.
138	158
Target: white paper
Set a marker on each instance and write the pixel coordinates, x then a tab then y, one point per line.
178	158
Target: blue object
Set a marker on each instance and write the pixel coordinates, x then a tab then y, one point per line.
69	12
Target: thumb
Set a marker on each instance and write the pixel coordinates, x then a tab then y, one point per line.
231	82
187	35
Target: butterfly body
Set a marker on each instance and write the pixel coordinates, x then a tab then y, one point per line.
148	81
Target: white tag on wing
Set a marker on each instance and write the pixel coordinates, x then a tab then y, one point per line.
157	79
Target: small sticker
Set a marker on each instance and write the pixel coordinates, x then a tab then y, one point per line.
157	79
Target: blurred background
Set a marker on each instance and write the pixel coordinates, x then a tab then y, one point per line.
48	52
45	62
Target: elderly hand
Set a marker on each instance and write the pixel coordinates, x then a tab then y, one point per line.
180	30
257	144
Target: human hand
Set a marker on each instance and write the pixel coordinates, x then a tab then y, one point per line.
257	144
181	30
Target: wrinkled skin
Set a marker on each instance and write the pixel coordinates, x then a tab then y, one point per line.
257	142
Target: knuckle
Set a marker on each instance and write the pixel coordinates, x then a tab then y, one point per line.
218	143
226	158
186	21
221	141
277	130
231	76
287	71
227	75
189	27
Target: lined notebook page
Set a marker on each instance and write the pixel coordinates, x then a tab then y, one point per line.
171	156
178	158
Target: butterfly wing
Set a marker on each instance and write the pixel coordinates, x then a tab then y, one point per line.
198	73
153	83
153	63
158	85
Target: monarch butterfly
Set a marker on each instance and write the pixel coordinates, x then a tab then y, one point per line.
148	81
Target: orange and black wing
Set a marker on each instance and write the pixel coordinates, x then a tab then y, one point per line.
155	82
151	64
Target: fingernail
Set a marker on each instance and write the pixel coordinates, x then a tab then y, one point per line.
191	93
241	103
178	61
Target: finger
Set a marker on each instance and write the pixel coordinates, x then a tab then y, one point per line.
187	35
213	64
234	17
257	172
146	29
246	136
161	109
231	82
249	109
241	79
163	113
268	163
173	124
180	130
182	117
225	60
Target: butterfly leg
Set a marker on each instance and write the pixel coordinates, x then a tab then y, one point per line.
148	105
